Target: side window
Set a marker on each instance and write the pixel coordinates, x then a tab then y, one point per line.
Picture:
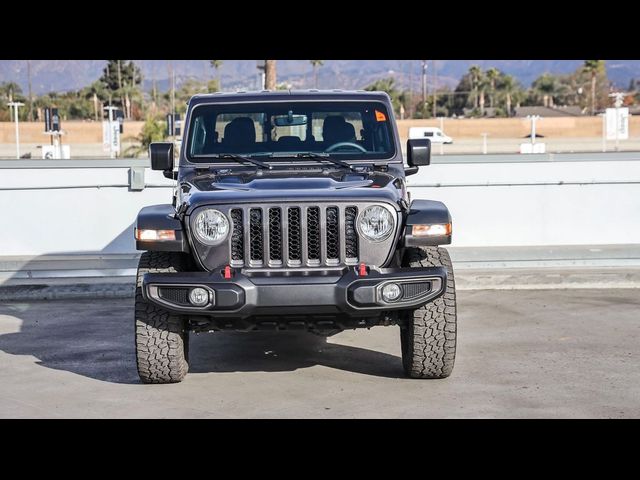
199	136
428	134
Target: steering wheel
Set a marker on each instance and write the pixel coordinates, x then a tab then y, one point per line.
338	145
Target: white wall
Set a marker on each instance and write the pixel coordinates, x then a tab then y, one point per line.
523	204
73	220
492	204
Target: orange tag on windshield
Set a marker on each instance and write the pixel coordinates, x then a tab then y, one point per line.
380	117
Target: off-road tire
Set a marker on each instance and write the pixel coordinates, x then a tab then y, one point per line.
428	334
162	339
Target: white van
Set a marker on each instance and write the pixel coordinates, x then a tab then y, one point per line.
432	133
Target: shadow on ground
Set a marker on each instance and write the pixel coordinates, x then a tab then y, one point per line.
94	338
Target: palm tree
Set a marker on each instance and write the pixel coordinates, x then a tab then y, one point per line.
9	89
216	64
492	75
509	86
270	74
593	67
315	64
482	85
98	93
475	71
546	86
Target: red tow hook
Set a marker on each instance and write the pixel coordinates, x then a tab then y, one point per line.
363	270
227	272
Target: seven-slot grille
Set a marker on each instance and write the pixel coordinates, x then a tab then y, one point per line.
276	236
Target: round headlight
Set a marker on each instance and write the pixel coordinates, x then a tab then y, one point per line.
211	226
376	223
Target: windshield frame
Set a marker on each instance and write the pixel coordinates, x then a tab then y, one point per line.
384	158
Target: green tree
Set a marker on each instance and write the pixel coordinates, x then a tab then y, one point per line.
545	89
153	130
122	78
216	64
492	75
388	85
475	72
509	87
97	94
9	91
188	89
120	72
593	68
315	64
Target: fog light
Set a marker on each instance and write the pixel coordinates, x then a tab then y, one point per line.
199	297
391	292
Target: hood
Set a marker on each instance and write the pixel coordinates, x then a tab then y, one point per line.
279	186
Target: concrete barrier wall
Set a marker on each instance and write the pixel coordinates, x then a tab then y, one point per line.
92	210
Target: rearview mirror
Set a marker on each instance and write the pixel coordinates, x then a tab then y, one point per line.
289	120
418	152
161	155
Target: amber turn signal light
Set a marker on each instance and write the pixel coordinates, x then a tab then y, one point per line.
431	230
154	235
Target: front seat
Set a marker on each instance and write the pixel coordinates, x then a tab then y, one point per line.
335	129
240	132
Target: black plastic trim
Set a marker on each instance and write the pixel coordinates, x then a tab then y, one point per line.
426	212
327	291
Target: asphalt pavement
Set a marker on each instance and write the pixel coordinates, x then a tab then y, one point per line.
521	354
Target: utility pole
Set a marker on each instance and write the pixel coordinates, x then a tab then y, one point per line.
411	89
15	106
172	76
435	87
30	93
119	76
270	74
424	83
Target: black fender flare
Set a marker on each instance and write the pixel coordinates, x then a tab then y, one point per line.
426	212
161	217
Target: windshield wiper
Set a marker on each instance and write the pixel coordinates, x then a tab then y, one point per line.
238	158
314	156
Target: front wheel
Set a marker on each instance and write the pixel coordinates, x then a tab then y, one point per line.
162	339
428	334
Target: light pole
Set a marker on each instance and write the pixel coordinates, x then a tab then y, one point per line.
424	83
534	119
15	106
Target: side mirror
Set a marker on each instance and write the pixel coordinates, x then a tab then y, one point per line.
161	155
418	152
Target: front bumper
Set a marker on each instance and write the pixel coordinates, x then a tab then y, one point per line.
295	292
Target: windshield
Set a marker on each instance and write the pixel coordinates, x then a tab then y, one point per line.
343	130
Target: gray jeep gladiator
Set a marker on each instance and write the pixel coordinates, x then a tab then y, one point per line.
291	211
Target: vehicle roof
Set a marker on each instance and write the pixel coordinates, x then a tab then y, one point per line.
288	95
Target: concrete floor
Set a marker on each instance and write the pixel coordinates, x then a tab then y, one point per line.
521	353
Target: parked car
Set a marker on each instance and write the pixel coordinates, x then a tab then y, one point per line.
291	211
432	133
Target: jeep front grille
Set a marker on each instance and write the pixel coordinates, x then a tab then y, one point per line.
305	235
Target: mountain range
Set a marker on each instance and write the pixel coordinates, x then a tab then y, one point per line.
63	75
